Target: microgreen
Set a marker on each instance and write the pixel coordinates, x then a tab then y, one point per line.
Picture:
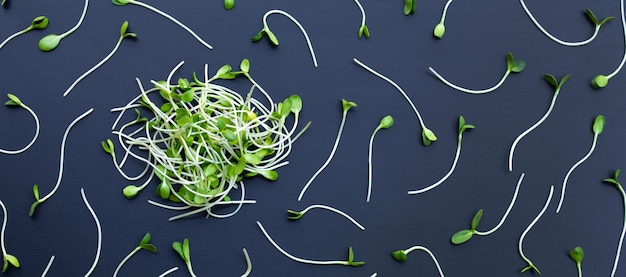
123	34
15	101
512	66
51	41
248	264
440	28
577	256
40	22
428	136
349	262
409	7
614	180
462	127
143	244
161	13
99	229
363	30
557	84
594	20
401	255
39	200
295	215
531	266
183	250
6	257
346	106
272	37
598	126
600	81
465	235
229	4
385	123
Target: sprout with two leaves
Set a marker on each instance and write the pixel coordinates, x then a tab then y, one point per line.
183	250
39	23
401	255
440	29
616	182
6	257
143	244
531	266
577	256
51	41
385	123
14	101
295	215
363	30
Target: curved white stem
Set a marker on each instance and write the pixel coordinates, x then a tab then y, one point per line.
593	146
621	64
432	256
369	163
506	213
445	177
168	271
119	266
32	141
4	226
14	36
521	239
445	11
335	211
360	8
99	228
45	271
80	21
471	91
306	36
621	238
248	263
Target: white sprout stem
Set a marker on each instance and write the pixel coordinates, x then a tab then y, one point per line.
511	152
445	11
32	141
14	36
565	43
335	211
624	30
369	163
117	45
248	263
432	256
445	177
67	131
374	274
421	121
580	270
621	238
506	213
45	271
521	239
190	269
360	8
80	21
173	20
306	36
168	271
593	146
98	227
4	226
471	91
306	261
330	157
119	266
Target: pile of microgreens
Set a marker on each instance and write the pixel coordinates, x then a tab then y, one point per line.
123	35
521	238
99	229
409	7
272	38
440	29
465	235
51	41
183	250
385	123
6	257
600	81
462	128
203	138
428	136
577	254
349	262
363	30
557	86
295	215
141	4
616	182
143	244
401	255
40	22
592	17
512	66
345	106
598	126
14	101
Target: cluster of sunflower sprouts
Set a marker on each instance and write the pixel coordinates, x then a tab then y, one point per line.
202	139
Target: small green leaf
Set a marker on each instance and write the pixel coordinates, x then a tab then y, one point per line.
149	247
269	174
123	28
40	22
616	174
108	146
591	16
12	260
476	219
252	158
272	37
224	70
598	124
462	236
229	4
164	190
439	30
564	79
518	66
32	208
386	122
611	180
606	20
294	215
364	31
188	96
399	255
428	136
13	101
296	103
258	36
577	254
551	80
509	60
121	2
245	65
408	7
49	42
146	239
346	105
599	81
6	263
131	191
186	249
36	192
350	255
178	247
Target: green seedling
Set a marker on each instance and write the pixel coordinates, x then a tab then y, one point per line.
428	136
14	101
465	235
402	255
440	28
462	127
99	229
51	41
614	180
557	86
385	123
7	258
346	106
229	4
39	23
512	66
161	13
123	34
531	266
295	215
577	256
143	244
409	7
272	37
183	250
349	262
363	30
598	126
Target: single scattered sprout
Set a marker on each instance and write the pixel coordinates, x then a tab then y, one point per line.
594	20
295	215
552	80
346	106
440	28
51	41
385	123
14	101
229	4
598	126
363	30
272	38
123	34
462	128
6	257
512	66
40	22
99	230
161	13
531	266
409	7
577	256
143	244
401	255
614	180
183	250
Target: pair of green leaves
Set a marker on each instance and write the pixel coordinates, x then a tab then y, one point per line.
428	136
266	32
37	200
594	19
513	65
364	31
182	249
124	34
399	255
465	235
351	261
557	84
613	180
13	101
409	7
463	126
9	259
577	255
226	71
145	243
